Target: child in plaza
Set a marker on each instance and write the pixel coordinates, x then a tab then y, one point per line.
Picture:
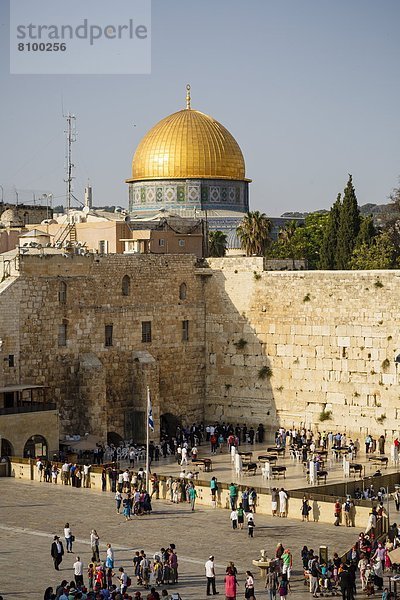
234	519
250	525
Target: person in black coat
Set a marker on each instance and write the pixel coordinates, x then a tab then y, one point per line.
57	552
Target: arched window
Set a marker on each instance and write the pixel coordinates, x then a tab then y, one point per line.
62	292
36	447
126	285
182	291
6	448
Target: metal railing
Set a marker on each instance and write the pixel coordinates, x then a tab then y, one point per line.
31	407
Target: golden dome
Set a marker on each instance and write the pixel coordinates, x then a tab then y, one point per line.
188	144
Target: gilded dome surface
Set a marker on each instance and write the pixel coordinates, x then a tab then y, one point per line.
188	144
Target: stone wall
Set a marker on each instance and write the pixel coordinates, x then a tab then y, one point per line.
329	338
27	212
17	429
95	385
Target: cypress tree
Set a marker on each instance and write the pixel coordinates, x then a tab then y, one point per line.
349	227
329	241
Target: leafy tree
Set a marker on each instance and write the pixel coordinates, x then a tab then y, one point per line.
329	242
217	242
349	227
305	243
367	231
379	254
391	222
254	233
287	236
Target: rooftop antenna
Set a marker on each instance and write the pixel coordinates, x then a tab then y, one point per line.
70	136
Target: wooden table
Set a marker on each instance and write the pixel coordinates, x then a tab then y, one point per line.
356	468
270	458
280	450
250	468
278	471
378	459
204	463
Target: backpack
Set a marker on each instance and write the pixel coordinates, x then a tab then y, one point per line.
128	581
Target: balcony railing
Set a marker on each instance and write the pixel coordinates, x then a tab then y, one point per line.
31	407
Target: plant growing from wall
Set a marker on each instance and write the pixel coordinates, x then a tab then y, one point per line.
256	275
265	372
240	344
356	395
386	364
280	388
306	298
378	284
325	415
381	419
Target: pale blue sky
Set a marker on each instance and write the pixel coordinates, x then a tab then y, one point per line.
309	88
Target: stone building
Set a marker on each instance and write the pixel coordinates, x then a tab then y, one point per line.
95	331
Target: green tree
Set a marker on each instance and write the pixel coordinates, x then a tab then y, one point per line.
217	242
287	235
303	242
254	233
391	222
329	240
349	227
367	231
379	254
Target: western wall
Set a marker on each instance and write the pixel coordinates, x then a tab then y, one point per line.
284	347
264	346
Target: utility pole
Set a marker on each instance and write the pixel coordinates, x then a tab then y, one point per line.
70	134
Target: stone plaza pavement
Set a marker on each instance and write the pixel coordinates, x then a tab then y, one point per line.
31	513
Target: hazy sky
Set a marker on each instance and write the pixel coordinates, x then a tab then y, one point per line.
309	88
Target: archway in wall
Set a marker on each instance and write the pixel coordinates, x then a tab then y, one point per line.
36	446
114	438
169	423
6	448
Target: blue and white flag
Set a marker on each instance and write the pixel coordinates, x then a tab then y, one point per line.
150	411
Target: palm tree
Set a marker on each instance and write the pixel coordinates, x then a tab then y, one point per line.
254	233
217	242
286	236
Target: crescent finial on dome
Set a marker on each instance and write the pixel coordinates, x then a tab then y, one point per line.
188	98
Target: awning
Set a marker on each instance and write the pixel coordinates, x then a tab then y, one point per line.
20	388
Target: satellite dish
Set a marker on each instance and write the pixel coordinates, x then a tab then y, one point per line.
85	210
127	219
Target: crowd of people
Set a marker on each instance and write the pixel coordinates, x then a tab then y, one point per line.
100	580
366	561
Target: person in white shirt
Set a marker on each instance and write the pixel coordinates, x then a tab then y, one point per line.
78	572
86	475
65	473
40	468
123	577
282	503
109	557
184	456
126	476
234	519
68	538
210	575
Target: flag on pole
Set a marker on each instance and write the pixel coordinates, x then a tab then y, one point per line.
150	411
